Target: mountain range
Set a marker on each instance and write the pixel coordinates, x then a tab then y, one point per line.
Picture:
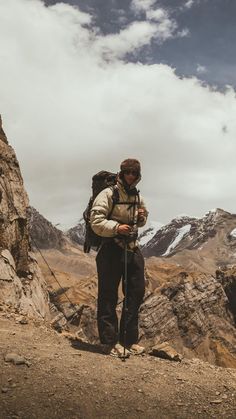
203	244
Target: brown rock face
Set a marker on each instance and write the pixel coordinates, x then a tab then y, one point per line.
193	312
2	133
227	278
13	203
22	287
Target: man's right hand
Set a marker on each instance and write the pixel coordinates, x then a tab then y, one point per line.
124	229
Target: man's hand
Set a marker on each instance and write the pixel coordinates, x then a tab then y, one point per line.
124	229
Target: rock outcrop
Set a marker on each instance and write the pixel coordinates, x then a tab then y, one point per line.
2	133
13	204
22	286
192	312
227	277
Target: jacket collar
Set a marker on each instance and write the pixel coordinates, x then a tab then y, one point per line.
129	189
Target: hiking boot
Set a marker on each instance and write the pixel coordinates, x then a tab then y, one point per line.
136	349
105	348
119	351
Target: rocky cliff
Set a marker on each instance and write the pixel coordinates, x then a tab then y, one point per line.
22	286
193	311
13	204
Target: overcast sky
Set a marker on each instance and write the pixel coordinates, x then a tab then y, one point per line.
86	84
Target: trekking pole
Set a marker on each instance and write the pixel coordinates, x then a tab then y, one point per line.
125	297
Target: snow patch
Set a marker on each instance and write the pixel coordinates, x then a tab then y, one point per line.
148	234
233	233
181	233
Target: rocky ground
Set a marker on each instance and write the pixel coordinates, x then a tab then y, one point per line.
65	378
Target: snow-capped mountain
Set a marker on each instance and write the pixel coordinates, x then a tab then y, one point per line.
213	235
77	233
148	233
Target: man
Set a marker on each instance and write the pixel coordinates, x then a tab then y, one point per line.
118	228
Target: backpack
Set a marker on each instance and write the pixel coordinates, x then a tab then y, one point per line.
100	181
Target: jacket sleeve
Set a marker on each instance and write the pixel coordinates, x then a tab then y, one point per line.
100	211
143	206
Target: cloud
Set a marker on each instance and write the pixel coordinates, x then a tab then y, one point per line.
142	5
183	33
72	104
189	4
133	37
165	26
201	69
157	14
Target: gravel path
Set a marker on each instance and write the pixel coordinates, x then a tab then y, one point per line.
60	378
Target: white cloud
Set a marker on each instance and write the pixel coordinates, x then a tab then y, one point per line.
135	36
142	5
69	112
201	69
184	32
157	14
189	4
165	26
71	13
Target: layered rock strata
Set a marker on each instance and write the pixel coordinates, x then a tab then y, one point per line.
192	312
13	204
22	286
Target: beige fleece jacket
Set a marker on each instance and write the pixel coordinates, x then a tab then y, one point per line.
121	214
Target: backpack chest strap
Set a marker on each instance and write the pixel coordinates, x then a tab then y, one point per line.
116	201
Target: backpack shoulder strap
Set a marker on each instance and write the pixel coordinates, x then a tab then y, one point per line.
115	199
115	195
138	195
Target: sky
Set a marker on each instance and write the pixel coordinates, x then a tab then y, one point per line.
86	84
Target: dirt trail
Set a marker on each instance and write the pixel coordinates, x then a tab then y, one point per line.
65	380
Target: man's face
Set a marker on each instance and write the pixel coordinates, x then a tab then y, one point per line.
130	176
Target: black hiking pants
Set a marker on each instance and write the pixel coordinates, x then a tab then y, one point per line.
110	267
